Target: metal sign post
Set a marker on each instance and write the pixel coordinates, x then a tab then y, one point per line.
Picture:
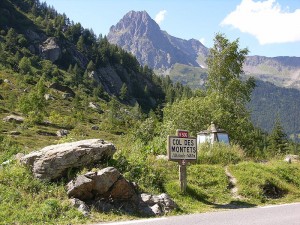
182	149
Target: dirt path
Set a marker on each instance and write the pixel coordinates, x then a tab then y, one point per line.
232	184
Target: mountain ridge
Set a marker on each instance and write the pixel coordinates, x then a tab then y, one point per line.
139	34
150	49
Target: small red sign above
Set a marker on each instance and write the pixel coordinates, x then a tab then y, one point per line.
182	133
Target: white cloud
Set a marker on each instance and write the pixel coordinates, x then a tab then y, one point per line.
265	20
160	16
202	40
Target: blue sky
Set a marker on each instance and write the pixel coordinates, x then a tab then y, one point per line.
266	27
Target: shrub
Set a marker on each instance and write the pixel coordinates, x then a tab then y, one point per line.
8	148
219	153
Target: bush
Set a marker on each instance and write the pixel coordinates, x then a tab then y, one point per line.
8	148
63	121
219	153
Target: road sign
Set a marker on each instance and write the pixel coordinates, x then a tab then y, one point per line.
182	148
182	133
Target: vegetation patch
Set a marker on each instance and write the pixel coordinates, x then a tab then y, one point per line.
26	200
262	183
270	190
220	154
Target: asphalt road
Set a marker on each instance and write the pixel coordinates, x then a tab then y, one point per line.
287	214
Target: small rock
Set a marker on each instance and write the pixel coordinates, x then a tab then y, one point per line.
15	132
288	159
5	163
7	81
66	95
95	106
81	206
89	185
95	127
291	158
146	198
18	156
48	97
156	210
168	203
62	133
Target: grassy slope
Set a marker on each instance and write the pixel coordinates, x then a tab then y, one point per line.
27	200
188	75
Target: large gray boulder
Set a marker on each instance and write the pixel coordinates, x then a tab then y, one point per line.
52	162
50	49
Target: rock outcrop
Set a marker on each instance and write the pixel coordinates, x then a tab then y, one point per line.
96	107
50	49
107	190
14	118
62	88
291	158
52	162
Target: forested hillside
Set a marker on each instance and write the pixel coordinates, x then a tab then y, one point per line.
37	41
58	75
270	102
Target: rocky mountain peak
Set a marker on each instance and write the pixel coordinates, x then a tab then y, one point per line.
139	34
135	24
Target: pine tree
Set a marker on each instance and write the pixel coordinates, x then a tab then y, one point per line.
80	44
34	104
278	142
91	66
11	39
25	65
123	92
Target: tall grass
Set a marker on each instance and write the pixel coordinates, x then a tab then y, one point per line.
207	188
219	153
26	200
